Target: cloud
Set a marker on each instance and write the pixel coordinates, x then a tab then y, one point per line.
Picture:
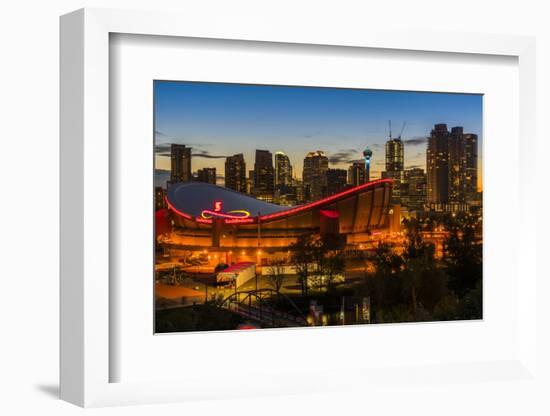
414	141
163	149
343	156
165	145
206	154
311	135
159	133
199	145
414	167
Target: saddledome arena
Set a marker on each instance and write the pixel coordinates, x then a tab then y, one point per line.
241	228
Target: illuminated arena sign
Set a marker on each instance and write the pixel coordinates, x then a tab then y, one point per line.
236	216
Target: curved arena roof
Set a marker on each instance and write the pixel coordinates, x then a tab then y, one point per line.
192	198
197	202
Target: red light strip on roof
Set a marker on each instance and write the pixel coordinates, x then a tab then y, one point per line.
173	208
281	214
324	201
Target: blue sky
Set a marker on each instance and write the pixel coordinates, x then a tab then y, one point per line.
218	119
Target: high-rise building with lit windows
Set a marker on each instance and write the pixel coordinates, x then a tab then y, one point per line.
437	165
264	176
283	170
470	167
457	191
413	189
395	163
314	175
451	162
397	177
207	175
250	182
357	173
180	163
336	181
395	155
235	173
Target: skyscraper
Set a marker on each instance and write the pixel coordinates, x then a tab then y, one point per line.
456	165
395	155
180	168
283	170
451	168
357	173
336	181
470	167
235	173
264	175
397	177
413	189
298	187
314	175
250	182
207	175
437	165
395	163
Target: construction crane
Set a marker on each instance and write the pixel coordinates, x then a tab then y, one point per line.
402	128
401	132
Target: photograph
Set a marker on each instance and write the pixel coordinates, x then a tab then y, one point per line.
281	206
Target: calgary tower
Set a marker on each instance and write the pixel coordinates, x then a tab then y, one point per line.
367	154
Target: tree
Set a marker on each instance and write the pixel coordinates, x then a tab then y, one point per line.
301	257
422	279
471	306
386	285
275	274
463	255
329	259
385	259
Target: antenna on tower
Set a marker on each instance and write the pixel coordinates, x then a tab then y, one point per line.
389	122
402	128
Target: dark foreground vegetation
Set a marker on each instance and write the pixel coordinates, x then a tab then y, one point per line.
195	318
415	286
403	284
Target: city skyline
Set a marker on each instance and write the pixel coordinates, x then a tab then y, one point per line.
323	214
297	120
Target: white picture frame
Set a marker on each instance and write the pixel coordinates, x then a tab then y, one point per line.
85	350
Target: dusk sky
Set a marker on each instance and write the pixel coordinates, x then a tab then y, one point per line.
219	120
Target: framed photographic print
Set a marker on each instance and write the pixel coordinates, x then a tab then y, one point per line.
249	204
286	206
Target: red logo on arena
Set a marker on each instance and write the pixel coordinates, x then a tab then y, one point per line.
236	214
